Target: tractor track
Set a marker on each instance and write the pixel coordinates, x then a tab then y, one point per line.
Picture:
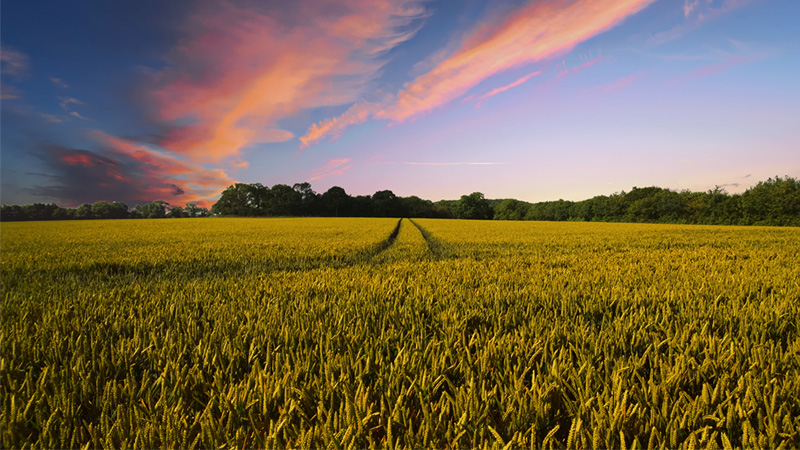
435	247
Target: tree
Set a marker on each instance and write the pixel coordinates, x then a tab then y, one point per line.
258	200
657	205
285	201
154	210
773	202
12	213
238	200
336	201
101	210
192	210
309	200
444	208
472	206
84	212
558	210
386	204
361	206
176	212
417	207
510	209
118	210
39	211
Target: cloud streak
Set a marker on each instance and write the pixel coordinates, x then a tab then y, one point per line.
535	32
334	167
502	89
256	68
410	163
333	128
538	31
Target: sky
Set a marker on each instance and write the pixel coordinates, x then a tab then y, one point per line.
536	100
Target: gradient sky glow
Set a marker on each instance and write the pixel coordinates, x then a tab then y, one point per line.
535	100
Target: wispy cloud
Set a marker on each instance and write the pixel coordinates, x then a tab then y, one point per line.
564	70
59	82
502	89
9	92
620	83
695	13
727	63
65	102
334	167
13	63
257	68
78	115
535	32
51	118
689	6
332	128
463	163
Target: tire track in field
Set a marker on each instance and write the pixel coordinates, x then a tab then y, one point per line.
388	242
435	247
409	246
119	272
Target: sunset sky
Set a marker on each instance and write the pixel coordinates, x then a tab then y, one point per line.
535	100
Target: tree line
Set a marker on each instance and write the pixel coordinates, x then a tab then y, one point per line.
100	210
772	202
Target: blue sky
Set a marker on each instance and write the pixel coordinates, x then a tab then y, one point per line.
536	100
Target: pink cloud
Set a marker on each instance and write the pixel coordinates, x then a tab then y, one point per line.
538	31
535	32
82	159
620	83
356	114
163	175
240	71
502	89
564	71
334	167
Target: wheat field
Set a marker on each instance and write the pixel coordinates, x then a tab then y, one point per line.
387	333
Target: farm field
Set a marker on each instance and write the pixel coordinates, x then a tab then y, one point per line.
423	333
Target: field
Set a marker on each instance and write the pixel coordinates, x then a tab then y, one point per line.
355	333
